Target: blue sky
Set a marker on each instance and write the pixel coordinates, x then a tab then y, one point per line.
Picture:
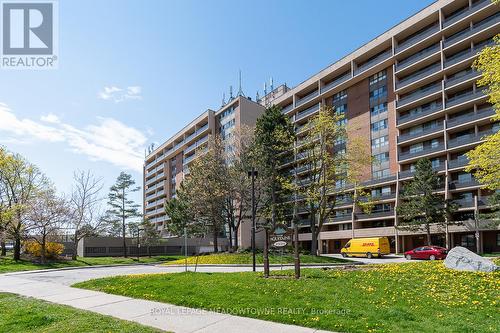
135	72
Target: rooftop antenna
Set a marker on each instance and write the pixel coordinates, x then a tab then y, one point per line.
257	97
223	99
231	93
240	90
271	83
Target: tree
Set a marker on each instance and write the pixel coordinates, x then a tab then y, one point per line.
206	188
46	215
274	138
420	207
329	167
181	217
20	181
85	207
483	160
121	207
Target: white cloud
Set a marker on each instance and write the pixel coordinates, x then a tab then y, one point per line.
108	140
117	95
50	118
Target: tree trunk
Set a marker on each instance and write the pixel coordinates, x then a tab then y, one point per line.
124	241
75	248
266	253
230	239
314	236
215	235
428	230
4	249
42	252
235	233
17	248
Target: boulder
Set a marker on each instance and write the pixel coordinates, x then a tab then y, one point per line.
462	259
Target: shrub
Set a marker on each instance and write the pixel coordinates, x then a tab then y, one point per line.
52	250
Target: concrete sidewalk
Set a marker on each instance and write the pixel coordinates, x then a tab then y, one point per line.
160	315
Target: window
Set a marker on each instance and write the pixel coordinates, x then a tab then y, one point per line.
339	96
341	109
380	158
434	143
464	177
380	142
415	148
379	125
468	241
227	112
381	174
379	92
378	109
436	162
378	77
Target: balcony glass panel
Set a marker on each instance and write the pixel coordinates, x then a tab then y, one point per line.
372	62
419	93
487	112
336	82
306	98
306	112
417	56
418	75
425	151
417	37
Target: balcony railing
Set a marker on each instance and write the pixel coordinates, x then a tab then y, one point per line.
458	163
306	112
486	23
465	97
417	57
432	129
306	98
336	82
418	75
375	214
410	173
372	62
287	108
461	78
468	138
463	184
418	94
466	118
465	12
340	218
424	112
417	38
383	179
425	151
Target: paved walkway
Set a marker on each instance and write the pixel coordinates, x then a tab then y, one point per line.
53	286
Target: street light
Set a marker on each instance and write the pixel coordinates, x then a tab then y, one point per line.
252	174
138	242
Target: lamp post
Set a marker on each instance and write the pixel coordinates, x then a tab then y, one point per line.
138	242
252	174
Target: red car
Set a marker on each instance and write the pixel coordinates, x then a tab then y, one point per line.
427	252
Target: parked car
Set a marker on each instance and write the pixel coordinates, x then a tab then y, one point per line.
366	247
427	252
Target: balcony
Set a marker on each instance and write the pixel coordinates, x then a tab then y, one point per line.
287	109
418	94
383	179
458	163
465	97
375	214
455	185
374	232
340	218
423	112
461	78
188	159
306	98
467	118
461	35
425	151
190	148
466	54
409	173
418	75
374	61
417	38
432	129
468	138
381	196
304	113
417	57
465	12
336	82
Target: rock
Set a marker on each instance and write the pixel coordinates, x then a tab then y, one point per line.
461	259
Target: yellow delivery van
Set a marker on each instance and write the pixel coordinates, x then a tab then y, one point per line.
366	247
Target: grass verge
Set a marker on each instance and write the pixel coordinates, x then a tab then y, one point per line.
412	297
7	264
22	314
246	258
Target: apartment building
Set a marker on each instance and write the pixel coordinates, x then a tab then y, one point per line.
166	166
410	93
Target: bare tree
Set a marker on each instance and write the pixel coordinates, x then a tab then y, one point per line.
46	215
85	206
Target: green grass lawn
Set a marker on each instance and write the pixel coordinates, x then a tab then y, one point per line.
246	258
22	314
411	297
7	264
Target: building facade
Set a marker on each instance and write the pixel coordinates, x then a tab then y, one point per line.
166	166
409	94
